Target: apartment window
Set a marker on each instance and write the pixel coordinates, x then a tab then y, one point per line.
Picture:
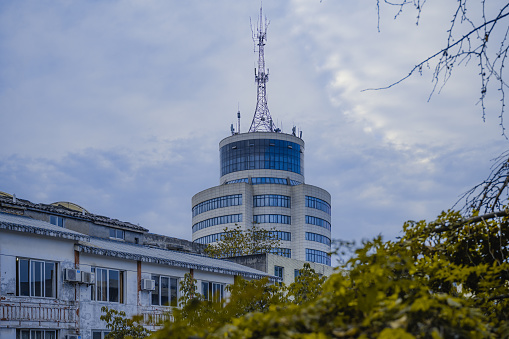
220	202
99	334
318	238
109	285
296	273
212	291
284	252
279	271
36	334
165	293
58	221
36	278
117	234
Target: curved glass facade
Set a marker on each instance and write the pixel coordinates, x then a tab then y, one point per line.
272	218
317	256
319	204
227	200
265	180
261	154
318	238
271	200
224	219
318	222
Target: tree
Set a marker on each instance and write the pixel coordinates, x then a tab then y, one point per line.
448	278
235	242
307	285
121	326
478	32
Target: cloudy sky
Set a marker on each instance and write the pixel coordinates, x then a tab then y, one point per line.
119	106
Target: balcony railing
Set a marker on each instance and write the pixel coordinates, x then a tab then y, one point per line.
17	311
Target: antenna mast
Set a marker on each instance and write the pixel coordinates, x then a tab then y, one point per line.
262	121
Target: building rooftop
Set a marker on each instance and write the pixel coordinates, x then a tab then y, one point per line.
65	209
118	249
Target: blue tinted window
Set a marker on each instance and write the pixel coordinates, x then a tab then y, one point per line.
318	256
319	204
272	218
318	238
224	219
284	252
261	154
228	200
271	200
318	222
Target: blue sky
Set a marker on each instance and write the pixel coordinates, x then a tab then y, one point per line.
119	106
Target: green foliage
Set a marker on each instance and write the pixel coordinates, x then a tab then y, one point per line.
444	279
235	242
199	317
307	285
188	290
122	326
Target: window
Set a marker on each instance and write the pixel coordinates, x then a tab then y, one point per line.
224	219
296	273
319	204
284	252
212	291
271	200
99	334
318	238
58	221
272	218
109	285
317	256
165	293
318	222
261	154
36	278
279	271
226	201
36	334
268	180
116	234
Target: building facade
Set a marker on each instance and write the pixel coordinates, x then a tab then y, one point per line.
262	184
54	281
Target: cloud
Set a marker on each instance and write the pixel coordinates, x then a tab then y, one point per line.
120	106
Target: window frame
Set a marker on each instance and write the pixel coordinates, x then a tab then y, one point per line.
211	289
107	288
172	297
57	220
31	280
19	333
117	234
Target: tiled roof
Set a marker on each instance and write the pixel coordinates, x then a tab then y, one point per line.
6	201
129	251
168	257
29	225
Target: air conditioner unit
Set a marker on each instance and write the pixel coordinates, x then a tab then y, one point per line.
72	275
87	277
148	284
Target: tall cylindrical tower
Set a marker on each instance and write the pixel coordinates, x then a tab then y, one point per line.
262	182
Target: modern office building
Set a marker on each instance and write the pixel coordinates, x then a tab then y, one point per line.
262	183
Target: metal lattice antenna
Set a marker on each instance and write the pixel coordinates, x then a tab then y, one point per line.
262	121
